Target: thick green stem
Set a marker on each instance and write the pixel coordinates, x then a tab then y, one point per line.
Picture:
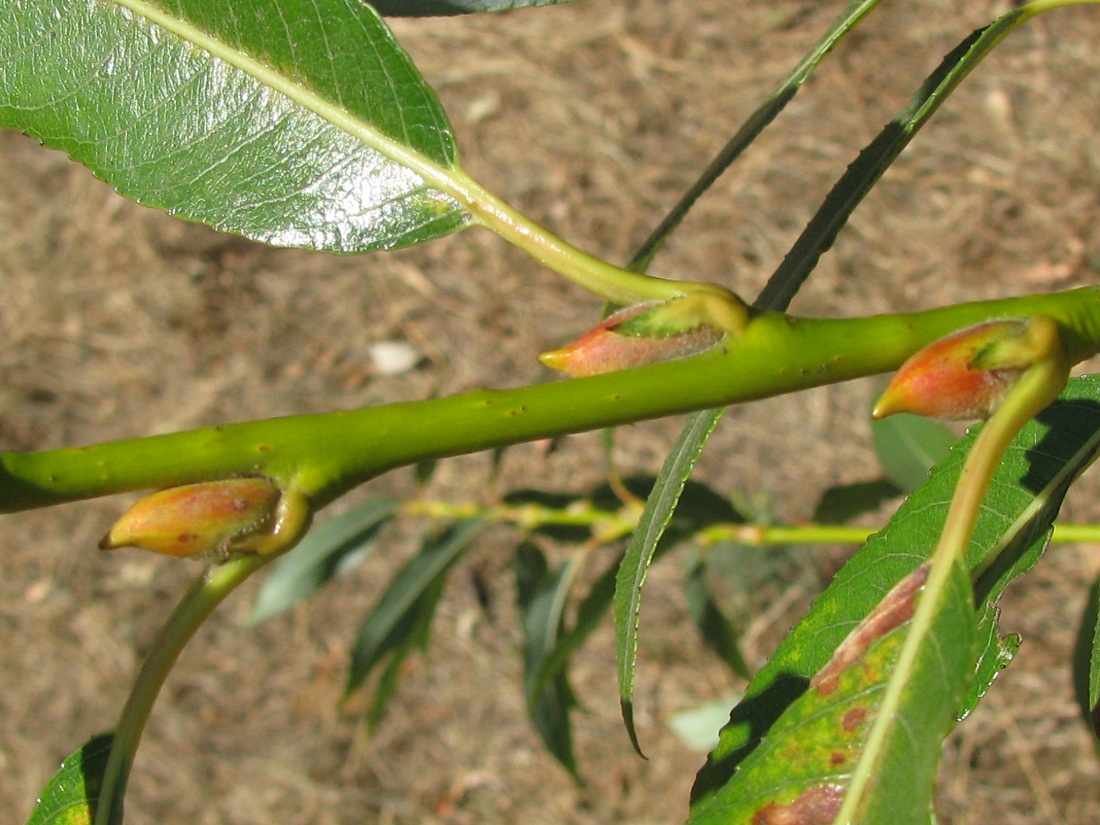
325	455
211	588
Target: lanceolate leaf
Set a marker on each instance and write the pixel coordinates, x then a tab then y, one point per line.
70	796
677	467
395	618
658	512
294	122
1012	527
327	550
425	8
542	596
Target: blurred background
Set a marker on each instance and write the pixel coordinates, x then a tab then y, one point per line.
592	118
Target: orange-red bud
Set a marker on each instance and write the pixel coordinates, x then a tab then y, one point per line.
965	375
203	520
633	337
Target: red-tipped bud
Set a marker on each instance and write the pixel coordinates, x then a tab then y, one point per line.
204	520
633	337
967	374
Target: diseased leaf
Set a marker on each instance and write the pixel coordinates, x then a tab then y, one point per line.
413	592
542	596
328	550
292	122
819	748
70	796
1021	504
428	8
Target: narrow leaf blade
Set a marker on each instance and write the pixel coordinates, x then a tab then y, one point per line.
274	119
327	550
658	511
392	618
1086	662
542	596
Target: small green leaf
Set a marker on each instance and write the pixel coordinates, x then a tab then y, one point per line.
412	634
542	596
70	796
907	447
328	550
841	504
659	509
413	591
717	631
293	122
429	8
1086	662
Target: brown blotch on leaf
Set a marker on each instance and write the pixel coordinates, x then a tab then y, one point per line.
895	609
817	806
853	719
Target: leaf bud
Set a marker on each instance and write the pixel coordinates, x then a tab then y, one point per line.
966	375
633	337
205	520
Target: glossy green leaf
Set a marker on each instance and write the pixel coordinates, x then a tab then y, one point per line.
329	549
70	796
427	8
1086	662
542	596
1012	528
413	592
908	445
293	122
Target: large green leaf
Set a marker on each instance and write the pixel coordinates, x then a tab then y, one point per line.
426	8
70	796
1012	528
294	122
819	753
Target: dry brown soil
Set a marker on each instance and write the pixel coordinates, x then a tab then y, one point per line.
119	321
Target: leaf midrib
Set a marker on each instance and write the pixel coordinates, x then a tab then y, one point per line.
432	173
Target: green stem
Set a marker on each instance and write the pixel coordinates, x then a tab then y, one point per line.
208	591
325	455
